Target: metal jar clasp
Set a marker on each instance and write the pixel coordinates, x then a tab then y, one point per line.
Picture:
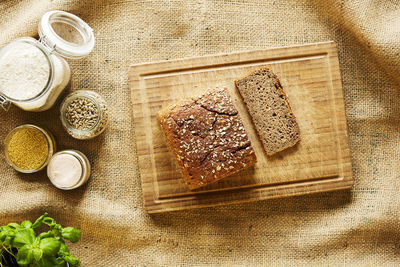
4	103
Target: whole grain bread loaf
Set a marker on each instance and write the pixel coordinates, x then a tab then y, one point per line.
207	138
270	110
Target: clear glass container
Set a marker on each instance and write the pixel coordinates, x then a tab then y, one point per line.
61	34
54	168
98	123
51	144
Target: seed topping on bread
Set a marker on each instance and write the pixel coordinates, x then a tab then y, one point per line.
207	137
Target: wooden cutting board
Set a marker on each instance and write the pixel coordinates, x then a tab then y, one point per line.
310	76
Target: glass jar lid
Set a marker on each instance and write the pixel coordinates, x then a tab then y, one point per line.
66	34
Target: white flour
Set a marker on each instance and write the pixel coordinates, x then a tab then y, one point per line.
24	71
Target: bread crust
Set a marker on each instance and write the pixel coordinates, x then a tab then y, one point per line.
279	87
207	138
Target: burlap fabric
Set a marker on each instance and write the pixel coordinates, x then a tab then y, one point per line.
357	227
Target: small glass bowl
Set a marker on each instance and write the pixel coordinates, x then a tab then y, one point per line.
85	165
98	127
51	144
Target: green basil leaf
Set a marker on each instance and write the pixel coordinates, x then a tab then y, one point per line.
44	235
50	246
3	235
23	237
72	234
49	221
8	232
71	259
63	248
8	240
26	224
55	233
14	225
48	261
24	256
58	261
39	221
37	254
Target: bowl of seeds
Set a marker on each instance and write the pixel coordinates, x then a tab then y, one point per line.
84	114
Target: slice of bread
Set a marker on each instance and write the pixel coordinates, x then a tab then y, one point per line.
270	110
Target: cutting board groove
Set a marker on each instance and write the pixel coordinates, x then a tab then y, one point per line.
311	79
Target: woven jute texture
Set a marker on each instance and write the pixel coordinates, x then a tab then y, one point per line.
356	227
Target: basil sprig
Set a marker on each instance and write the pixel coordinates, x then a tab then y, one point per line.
48	249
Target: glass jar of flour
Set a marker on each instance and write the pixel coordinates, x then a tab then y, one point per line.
34	73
